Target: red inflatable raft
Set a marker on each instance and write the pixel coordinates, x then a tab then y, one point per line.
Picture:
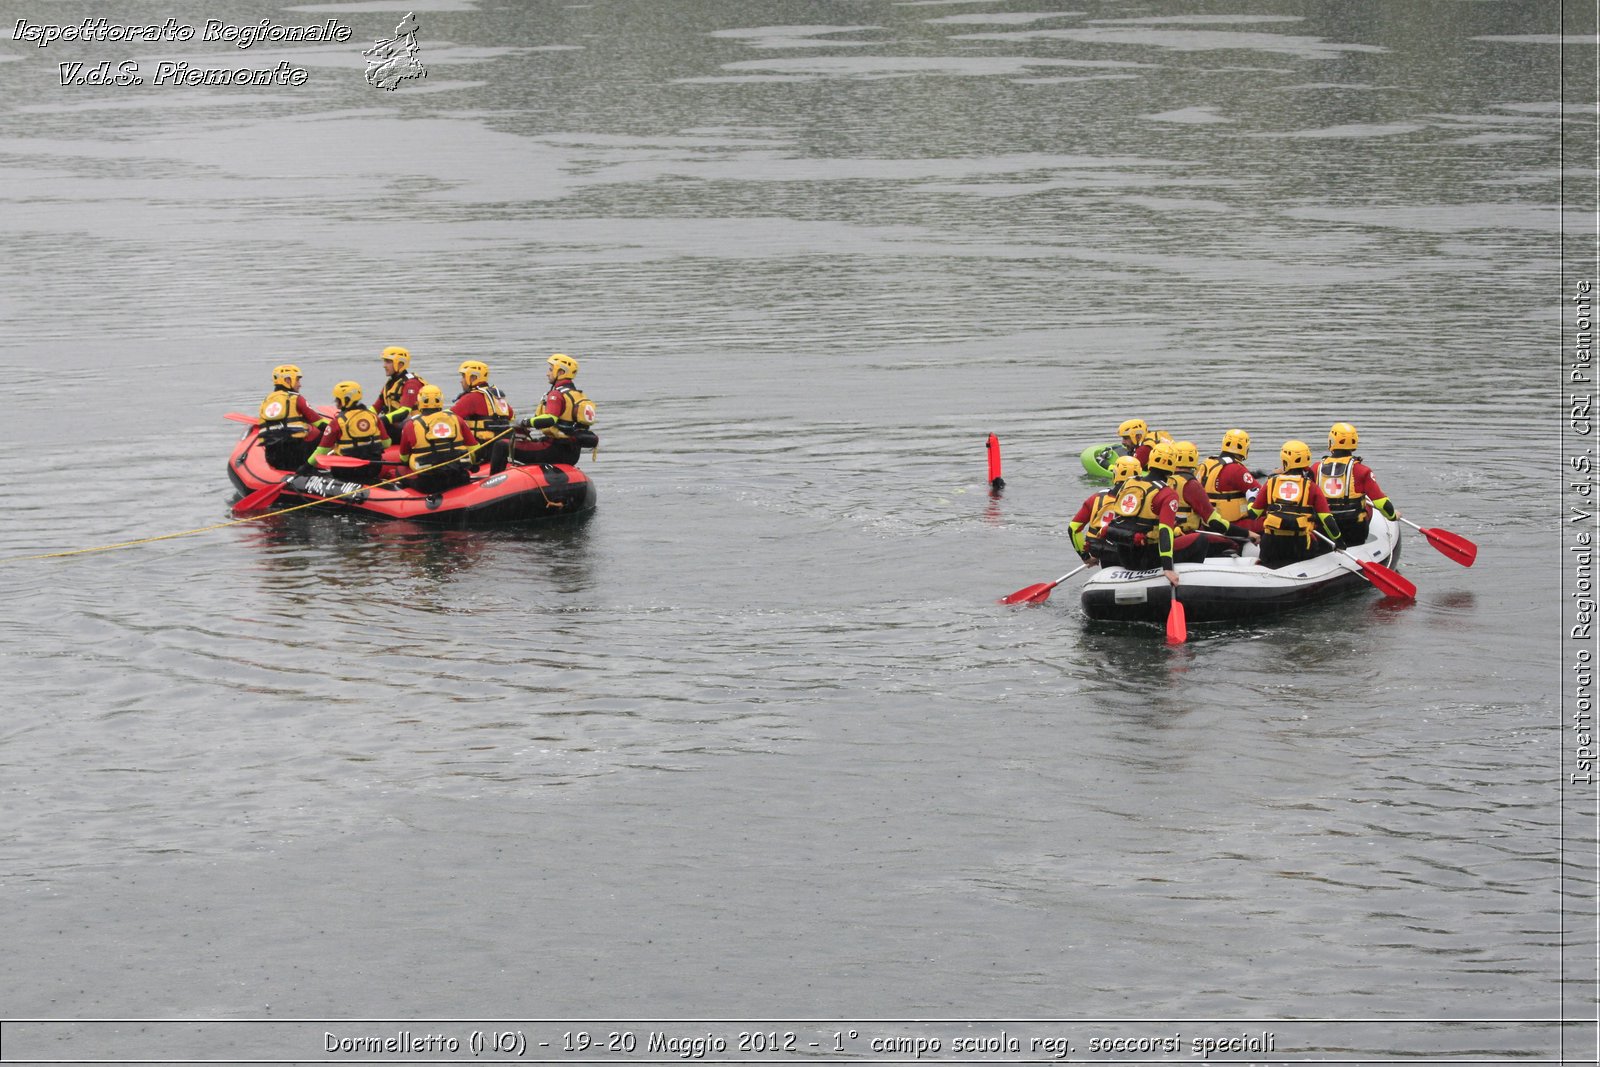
517	494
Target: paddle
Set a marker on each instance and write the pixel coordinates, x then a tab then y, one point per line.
1453	545
1389	581
1039	592
332	461
1177	621
261	499
241	417
996	483
265	497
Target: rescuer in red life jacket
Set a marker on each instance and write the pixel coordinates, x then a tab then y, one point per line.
357	432
1228	482
1348	484
1138	439
1291	506
564	418
290	428
1143	529
436	444
1196	515
398	401
486	412
1088	525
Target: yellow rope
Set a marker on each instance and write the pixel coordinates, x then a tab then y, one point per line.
249	518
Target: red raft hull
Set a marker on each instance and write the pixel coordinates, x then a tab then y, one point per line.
517	494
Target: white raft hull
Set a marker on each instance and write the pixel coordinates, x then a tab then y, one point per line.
1237	587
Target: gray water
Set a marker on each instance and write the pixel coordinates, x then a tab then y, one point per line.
755	742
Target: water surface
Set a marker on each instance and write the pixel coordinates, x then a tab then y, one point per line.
756	741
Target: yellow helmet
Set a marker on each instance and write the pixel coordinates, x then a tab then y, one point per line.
286	375
1164	457
1126	467
1186	454
1343	437
1236	442
398	356
1295	454
430	398
474	373
346	395
562	366
1134	428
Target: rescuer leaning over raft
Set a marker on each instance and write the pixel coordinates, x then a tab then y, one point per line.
1138	439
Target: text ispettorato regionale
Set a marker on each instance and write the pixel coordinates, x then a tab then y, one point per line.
102	30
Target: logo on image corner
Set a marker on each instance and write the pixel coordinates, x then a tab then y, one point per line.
394	60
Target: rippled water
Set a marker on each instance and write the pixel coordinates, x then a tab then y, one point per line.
755	740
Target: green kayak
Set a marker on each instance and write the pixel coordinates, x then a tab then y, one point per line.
1099	459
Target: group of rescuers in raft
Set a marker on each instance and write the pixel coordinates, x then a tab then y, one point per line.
440	445
1165	506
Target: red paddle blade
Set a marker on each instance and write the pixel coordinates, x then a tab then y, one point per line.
1455	546
1389	581
260	500
1037	593
1177	622
331	461
240	417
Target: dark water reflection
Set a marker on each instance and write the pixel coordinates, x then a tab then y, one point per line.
355	553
